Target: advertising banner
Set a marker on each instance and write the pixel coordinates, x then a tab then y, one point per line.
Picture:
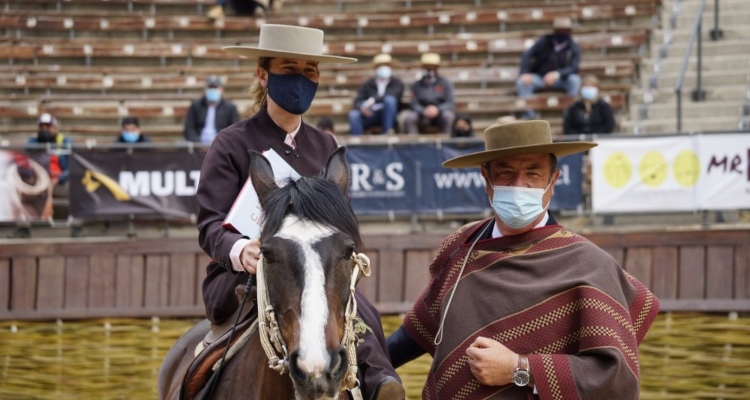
724	163
410	179
643	174
25	188
676	173
141	183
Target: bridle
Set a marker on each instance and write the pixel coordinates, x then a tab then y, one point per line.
270	334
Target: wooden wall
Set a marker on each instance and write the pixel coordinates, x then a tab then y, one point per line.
85	278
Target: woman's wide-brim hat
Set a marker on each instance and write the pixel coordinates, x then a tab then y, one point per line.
515	139
289	41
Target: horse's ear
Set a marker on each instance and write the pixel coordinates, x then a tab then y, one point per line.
261	175
337	170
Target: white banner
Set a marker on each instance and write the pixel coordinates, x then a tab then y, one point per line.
724	183
677	173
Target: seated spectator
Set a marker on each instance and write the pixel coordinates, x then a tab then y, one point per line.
590	114
432	99
208	115
377	100
252	8
53	157
325	124
131	132
462	126
551	63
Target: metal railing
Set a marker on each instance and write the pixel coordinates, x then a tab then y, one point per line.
696	33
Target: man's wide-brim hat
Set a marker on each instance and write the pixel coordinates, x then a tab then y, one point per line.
289	41
515	139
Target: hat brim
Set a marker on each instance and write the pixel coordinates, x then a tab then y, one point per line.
483	157
254	52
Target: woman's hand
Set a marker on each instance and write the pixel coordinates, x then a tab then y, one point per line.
250	255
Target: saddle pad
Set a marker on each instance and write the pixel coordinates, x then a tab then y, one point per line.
200	370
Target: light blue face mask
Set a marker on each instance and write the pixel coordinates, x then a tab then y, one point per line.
383	72
213	95
130	136
518	206
589	92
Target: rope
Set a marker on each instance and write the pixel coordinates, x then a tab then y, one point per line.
439	335
270	335
41	185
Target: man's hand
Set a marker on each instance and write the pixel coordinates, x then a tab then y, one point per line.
250	255
491	362
550	78
431	111
527	79
365	110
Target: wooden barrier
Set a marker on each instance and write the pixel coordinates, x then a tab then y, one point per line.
702	270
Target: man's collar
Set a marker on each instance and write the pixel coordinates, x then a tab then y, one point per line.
496	232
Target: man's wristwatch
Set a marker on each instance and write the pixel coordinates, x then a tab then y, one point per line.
521	376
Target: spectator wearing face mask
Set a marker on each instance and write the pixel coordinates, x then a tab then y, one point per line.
432	99
53	156
590	114
131	132
209	114
551	63
462	126
378	99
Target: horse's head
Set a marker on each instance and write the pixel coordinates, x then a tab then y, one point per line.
308	238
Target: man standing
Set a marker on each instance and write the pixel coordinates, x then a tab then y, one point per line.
209	114
518	305
552	62
432	99
378	99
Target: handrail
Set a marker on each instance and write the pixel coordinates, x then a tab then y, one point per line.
698	94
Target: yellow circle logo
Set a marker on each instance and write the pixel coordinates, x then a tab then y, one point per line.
617	170
653	169
687	168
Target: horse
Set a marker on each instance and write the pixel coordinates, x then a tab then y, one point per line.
310	239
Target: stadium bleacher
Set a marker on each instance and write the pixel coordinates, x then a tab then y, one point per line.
92	62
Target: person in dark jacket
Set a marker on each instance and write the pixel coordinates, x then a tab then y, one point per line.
131	132
432	99
54	156
209	114
378	99
590	114
552	62
462	126
287	81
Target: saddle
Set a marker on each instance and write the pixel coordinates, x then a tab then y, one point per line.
210	350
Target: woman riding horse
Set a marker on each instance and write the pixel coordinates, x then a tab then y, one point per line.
287	79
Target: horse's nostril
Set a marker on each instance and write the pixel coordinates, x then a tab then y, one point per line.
339	363
294	370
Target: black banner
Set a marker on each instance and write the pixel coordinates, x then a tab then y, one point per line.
410	179
401	179
141	183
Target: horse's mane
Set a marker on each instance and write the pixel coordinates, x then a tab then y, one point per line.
315	199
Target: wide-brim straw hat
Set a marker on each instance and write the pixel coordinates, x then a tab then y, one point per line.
382	59
288	41
515	139
430	59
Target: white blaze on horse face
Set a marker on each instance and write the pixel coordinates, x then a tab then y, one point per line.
313	355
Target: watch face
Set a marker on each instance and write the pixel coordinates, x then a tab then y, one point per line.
521	378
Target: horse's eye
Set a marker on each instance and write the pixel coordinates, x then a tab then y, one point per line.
268	256
349	251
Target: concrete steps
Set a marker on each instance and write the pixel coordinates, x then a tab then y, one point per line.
725	77
689	124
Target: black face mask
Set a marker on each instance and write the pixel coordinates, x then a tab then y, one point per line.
45	136
462	133
561	37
